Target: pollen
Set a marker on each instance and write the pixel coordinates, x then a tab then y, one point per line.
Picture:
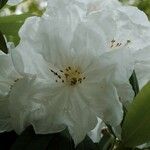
70	76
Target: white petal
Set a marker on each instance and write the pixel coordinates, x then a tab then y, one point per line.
96	134
135	15
142	65
22	103
125	93
88	38
29	29
80	119
103	99
17	61
134	26
8	73
121	62
33	62
98	5
143	73
49	42
54	104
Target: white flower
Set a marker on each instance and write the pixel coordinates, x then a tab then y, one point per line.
9	76
80	72
13	2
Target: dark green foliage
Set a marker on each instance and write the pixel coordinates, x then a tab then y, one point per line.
2	3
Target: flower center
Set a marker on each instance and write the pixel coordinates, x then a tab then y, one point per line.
70	76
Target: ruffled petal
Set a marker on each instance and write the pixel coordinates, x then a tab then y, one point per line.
121	62
22	102
89	37
79	118
96	133
125	93
54	105
8	73
142	65
103	99
33	62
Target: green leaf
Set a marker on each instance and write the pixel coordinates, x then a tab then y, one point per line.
2	3
136	127
10	26
3	46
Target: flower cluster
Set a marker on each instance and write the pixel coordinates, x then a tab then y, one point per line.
72	67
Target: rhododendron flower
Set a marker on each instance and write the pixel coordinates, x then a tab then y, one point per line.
76	67
81	76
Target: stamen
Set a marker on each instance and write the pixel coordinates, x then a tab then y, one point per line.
70	76
113	41
51	70
84	78
59	76
115	44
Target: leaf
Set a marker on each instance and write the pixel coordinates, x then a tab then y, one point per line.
3	46
10	26
136	127
2	3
